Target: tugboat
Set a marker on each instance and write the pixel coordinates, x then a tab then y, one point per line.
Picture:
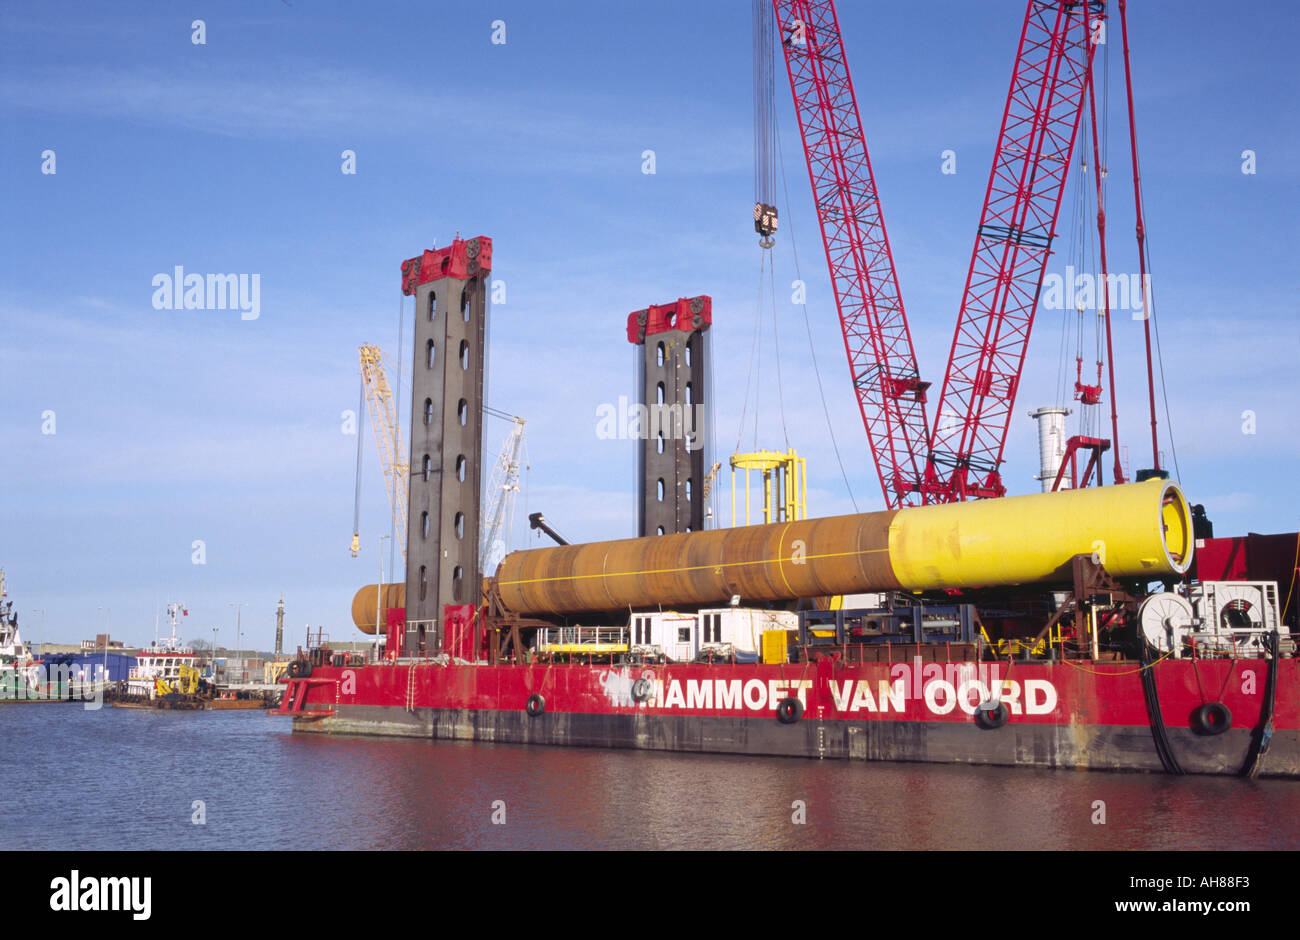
165	674
20	671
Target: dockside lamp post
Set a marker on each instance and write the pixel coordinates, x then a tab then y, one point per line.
108	618
214	654
239	640
379	590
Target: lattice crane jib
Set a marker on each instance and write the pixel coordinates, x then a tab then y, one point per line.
1012	245
501	489
882	361
959	456
392	449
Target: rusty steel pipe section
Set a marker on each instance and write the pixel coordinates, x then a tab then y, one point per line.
809	558
1138	530
366	607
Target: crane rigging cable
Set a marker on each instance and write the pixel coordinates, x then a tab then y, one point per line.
764	214
758	351
1084	260
803	305
1051	97
753	360
764	71
776	349
767	152
764	102
1148	296
1101	161
877	340
767	265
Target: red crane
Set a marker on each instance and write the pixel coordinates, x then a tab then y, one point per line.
882	360
1012	245
961	457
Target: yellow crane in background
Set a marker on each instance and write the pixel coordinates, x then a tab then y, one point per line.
709	479
392	452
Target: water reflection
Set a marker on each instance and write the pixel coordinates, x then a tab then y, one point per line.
117	779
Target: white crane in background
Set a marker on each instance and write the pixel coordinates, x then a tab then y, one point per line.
500	494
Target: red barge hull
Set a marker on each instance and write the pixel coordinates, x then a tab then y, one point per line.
1076	714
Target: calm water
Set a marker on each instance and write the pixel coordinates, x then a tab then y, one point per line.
126	779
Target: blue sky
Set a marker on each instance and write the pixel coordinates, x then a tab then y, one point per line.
175	426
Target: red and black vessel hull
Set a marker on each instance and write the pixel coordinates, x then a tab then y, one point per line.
1076	714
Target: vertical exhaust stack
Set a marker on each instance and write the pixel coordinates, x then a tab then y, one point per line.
442	555
1051	445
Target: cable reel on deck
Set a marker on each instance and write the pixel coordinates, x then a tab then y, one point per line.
1165	620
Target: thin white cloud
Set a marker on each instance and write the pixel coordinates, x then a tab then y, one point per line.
550	134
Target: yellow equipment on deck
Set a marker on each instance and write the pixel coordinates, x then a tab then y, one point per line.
776	644
785	485
187	683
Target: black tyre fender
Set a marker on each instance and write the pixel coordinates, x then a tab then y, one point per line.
535	705
1212	718
641	689
992	718
295	669
789	710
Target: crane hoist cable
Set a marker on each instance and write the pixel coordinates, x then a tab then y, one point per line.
1083	259
767	266
807	322
765	215
1144	256
1101	157
776	351
753	358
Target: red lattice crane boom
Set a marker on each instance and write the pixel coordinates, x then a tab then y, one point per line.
961	458
1012	245
882	360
